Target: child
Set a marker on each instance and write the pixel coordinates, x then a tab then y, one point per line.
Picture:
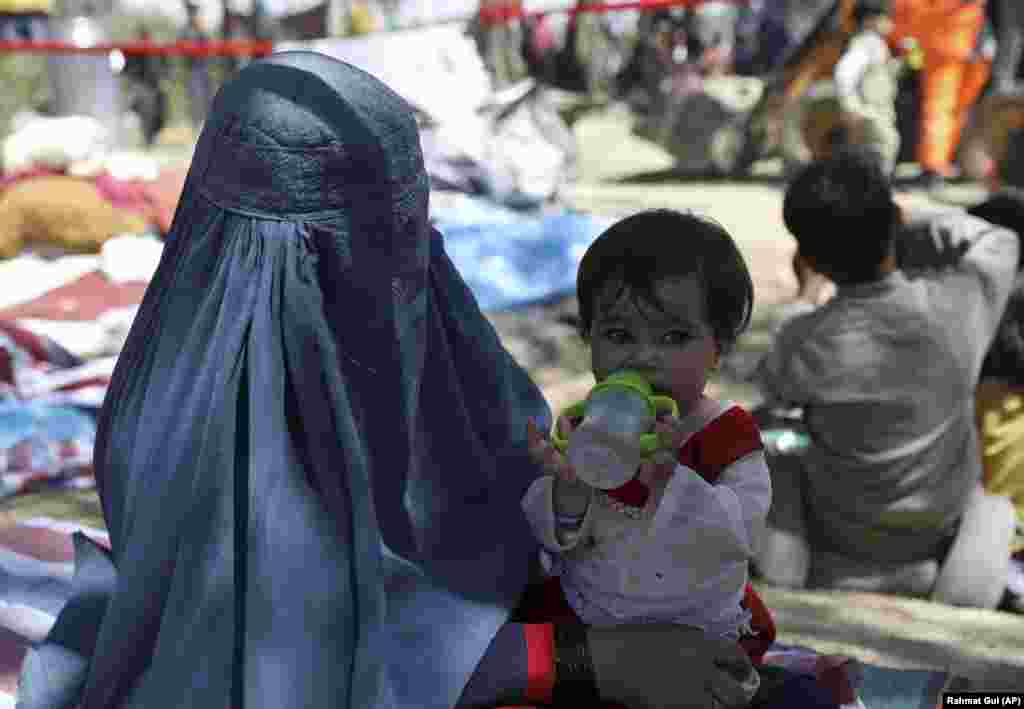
885	373
667	294
998	411
865	79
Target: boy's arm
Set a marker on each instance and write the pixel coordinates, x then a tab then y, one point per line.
952	239
991	261
993	257
980	261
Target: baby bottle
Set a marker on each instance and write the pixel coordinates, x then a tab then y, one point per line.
616	431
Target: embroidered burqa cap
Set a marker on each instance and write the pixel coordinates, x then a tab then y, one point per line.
313	448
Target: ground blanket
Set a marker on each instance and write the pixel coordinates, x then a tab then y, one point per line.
511	260
36	563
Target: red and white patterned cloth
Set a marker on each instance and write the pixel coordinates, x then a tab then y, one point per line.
41	550
47	402
34	367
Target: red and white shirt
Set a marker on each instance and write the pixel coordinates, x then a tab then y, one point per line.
676	550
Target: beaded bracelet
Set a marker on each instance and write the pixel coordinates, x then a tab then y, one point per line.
569	521
575	682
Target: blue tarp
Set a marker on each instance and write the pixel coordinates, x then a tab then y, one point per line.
511	260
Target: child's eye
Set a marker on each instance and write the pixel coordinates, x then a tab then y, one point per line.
616	335
676	337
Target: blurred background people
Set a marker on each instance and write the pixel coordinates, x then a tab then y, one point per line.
498	34
144	75
200	89
1009	20
952	78
866	87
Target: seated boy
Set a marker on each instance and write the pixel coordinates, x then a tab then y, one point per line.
885	373
998	409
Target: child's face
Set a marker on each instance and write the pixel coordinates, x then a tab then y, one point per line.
675	349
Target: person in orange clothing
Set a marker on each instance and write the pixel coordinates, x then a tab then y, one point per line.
952	77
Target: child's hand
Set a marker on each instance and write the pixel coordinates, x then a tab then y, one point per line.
571	495
544	453
672	433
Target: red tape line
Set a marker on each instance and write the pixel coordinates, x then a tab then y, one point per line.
505	13
489	16
212	48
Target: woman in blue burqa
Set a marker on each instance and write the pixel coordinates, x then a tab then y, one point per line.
313	449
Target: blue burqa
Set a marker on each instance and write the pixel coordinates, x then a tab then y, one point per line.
313	449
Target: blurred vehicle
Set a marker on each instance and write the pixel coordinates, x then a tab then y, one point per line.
509	145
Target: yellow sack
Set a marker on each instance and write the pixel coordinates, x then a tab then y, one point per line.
60	213
999	409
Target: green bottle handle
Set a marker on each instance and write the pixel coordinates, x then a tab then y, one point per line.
650	443
570	412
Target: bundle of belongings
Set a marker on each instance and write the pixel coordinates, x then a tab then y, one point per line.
64	190
510	146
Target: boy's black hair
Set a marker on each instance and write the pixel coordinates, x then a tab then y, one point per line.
659	243
1005	357
871	8
841	212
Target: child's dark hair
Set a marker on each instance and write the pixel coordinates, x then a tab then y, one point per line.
659	243
1005	357
865	9
841	212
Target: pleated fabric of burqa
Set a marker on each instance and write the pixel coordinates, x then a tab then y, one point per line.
313	448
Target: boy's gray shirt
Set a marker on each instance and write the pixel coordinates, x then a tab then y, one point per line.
885	373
